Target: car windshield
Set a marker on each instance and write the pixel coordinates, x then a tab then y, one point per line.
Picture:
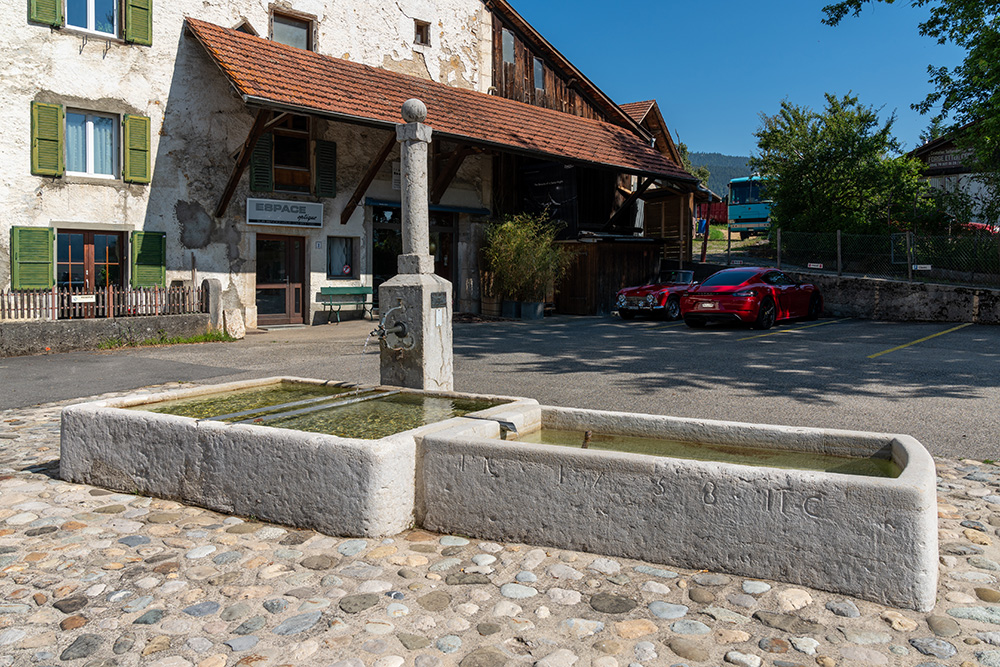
730	278
675	277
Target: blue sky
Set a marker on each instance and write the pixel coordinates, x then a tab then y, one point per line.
715	65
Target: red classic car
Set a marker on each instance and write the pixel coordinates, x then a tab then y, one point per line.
660	298
758	296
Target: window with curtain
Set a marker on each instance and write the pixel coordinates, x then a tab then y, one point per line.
340	263
91	144
99	16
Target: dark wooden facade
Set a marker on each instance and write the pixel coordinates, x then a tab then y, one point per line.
599	269
517	81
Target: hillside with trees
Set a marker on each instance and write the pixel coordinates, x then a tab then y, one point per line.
722	169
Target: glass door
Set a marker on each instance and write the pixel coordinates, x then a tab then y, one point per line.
280	279
87	264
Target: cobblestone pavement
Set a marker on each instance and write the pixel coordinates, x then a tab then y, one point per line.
94	578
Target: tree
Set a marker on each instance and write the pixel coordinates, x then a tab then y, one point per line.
836	169
969	94
701	173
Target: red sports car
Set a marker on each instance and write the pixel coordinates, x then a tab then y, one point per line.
758	296
660	298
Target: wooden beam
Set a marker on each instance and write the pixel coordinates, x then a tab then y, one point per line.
447	175
367	179
627	204
259	126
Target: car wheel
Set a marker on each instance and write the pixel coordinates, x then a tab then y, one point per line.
694	324
626	314
815	307
673	309
765	315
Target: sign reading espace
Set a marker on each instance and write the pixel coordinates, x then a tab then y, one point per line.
284	213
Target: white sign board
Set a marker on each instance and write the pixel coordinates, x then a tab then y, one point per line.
83	298
814	266
397	178
922	267
737	262
284	213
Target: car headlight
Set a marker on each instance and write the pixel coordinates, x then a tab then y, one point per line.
650	299
621	300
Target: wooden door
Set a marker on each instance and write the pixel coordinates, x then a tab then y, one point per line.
280	279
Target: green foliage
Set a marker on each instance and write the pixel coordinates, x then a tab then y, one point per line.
834	169
701	173
127	338
521	259
969	93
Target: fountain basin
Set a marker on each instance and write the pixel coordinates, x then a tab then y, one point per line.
871	537
337	485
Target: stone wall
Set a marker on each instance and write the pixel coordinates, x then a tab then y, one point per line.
877	299
41	337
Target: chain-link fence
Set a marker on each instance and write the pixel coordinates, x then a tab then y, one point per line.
971	258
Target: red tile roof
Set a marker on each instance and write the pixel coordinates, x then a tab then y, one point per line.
637	110
270	74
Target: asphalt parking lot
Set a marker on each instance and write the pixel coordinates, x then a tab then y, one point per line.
939	382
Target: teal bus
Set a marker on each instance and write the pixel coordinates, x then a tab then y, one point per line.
749	210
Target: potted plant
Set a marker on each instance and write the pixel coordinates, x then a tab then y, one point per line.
524	263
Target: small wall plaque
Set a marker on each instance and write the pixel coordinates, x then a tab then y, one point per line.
439	299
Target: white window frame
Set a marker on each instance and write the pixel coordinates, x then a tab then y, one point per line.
92	20
89	144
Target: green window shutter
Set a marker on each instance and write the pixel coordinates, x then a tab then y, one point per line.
135	137
261	165
139	22
31	250
48	127
48	12
326	169
149	259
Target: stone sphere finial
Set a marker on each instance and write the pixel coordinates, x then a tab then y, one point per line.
414	111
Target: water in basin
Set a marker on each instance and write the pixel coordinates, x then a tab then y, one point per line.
332	410
752	456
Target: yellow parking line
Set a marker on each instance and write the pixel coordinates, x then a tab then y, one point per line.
809	326
926	338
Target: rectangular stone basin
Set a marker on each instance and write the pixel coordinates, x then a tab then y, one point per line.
871	537
337	485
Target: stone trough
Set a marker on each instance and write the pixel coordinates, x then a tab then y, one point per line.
874	538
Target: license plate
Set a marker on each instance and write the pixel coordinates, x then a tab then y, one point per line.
709	306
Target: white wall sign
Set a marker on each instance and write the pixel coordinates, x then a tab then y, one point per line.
397	175
285	213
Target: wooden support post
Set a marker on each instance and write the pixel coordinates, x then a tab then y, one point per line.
840	255
367	179
627	205
445	178
243	160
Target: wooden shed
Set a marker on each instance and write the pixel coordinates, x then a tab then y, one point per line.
602	265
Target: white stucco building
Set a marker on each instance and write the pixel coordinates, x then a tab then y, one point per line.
166	143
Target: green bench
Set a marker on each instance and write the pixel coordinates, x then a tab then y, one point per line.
356	296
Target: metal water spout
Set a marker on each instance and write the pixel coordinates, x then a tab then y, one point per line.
396	336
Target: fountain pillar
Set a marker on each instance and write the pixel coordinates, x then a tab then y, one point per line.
416	306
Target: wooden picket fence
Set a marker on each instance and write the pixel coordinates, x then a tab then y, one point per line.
63	304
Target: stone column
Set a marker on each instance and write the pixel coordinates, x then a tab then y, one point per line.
417	355
415	138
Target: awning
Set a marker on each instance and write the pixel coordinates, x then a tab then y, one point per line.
271	75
